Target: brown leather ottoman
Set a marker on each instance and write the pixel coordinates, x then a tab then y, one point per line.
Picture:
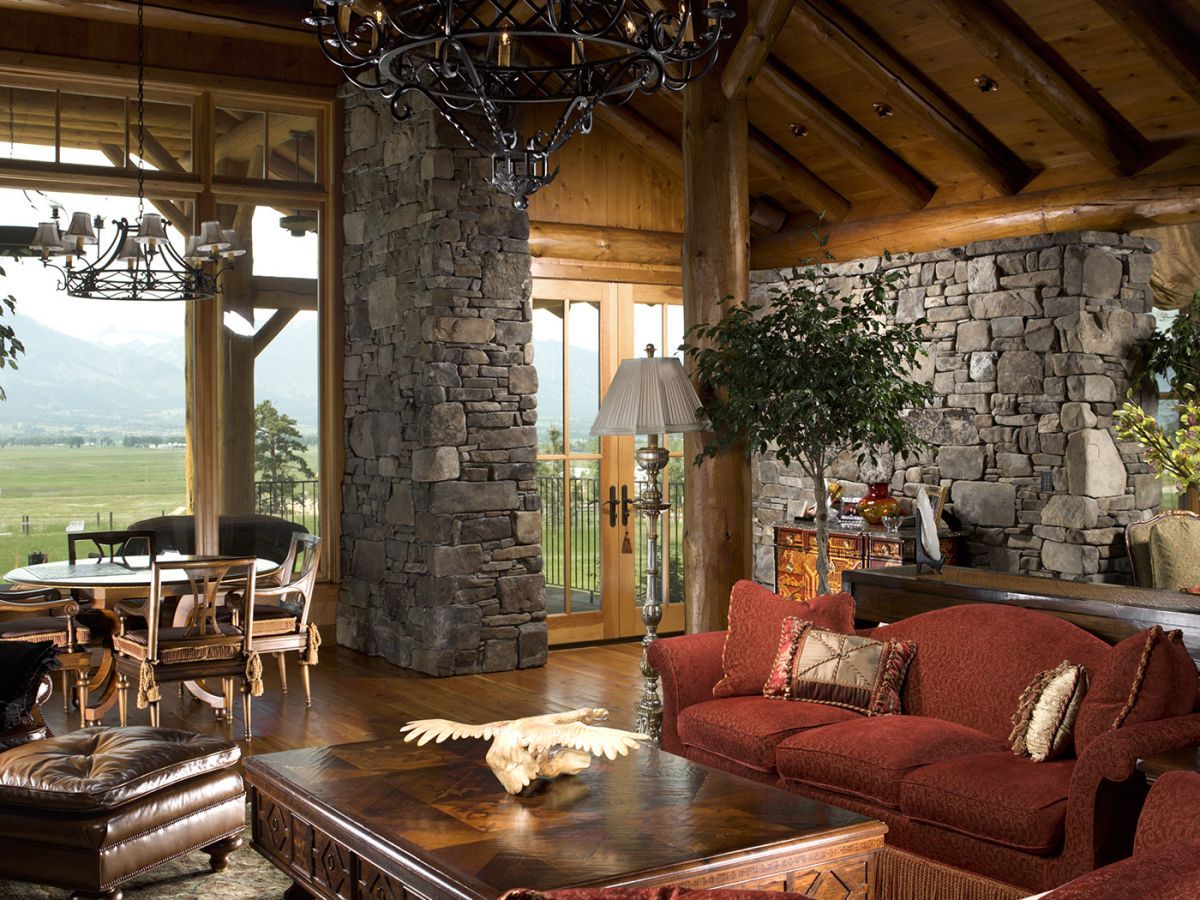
88	810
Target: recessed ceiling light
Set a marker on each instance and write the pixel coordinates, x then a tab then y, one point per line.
798	130
882	110
986	84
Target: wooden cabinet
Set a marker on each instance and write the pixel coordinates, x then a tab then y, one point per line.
870	548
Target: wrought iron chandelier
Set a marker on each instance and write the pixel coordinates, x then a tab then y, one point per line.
479	61
141	263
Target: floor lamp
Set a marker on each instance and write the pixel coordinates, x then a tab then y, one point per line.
650	396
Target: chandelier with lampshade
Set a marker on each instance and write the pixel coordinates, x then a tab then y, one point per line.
140	262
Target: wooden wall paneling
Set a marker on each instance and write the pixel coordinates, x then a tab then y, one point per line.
994	162
1166	198
1008	43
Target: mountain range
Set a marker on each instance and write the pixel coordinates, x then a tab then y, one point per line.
67	385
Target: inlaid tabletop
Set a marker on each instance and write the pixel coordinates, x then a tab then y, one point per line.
132	571
440	804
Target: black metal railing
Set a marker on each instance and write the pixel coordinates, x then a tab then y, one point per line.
296	501
583	534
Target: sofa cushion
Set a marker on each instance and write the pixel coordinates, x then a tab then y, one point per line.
1045	717
869	757
755	618
976	659
1146	677
748	729
101	768
999	797
845	670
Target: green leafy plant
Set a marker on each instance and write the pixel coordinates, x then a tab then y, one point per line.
1174	355
1177	455
822	369
10	347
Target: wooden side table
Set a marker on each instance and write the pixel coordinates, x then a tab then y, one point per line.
1153	766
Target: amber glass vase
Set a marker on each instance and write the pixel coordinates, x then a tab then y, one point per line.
878	503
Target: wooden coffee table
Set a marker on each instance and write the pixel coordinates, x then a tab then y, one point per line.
386	819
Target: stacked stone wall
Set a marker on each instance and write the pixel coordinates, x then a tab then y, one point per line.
1032	345
441	529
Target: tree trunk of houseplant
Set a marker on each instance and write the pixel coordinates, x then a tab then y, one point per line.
822	519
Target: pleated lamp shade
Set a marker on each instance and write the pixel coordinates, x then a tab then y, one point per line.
649	395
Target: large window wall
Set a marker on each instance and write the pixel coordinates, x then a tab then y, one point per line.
124	411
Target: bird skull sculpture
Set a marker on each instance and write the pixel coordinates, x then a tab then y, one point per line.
536	747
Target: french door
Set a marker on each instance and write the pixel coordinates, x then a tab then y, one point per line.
593	540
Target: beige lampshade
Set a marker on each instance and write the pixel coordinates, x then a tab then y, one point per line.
81	229
47	238
191	251
211	238
130	249
151	230
235	248
649	395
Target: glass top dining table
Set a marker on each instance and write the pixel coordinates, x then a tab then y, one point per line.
107	582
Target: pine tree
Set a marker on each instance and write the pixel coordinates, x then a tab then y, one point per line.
278	446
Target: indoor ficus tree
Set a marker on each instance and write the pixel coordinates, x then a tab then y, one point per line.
10	347
820	369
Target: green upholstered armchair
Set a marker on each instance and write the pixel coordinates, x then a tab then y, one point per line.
1165	550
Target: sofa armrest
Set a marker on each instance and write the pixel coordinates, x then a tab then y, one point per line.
1105	797
1170	811
690	666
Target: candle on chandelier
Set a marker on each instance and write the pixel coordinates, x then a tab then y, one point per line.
504	52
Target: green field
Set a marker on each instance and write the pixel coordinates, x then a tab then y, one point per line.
55	486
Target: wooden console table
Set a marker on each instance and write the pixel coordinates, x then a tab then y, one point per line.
387	820
1113	612
869	547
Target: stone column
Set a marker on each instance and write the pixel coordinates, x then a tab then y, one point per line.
441	526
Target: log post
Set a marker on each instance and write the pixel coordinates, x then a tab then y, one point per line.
716	274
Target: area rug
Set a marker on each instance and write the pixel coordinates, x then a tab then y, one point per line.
249	877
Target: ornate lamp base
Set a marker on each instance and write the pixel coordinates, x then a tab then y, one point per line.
651	459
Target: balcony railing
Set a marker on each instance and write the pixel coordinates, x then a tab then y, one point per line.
296	501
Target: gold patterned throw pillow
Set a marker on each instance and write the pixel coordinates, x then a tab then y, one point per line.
1045	717
839	669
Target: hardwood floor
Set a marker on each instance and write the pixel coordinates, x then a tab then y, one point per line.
359	698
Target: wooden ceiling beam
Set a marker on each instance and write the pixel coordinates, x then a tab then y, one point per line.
1167	198
1008	42
169	211
1162	37
789	176
857	145
768	158
754	46
227	18
930	108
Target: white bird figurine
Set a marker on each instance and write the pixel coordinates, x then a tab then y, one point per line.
539	746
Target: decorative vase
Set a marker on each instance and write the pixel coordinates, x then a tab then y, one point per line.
878	503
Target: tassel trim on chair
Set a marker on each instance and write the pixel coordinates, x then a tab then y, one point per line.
147	691
254	673
311	656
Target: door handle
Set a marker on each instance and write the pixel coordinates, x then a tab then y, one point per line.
625	501
612	506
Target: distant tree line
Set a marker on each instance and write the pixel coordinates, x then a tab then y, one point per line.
80	440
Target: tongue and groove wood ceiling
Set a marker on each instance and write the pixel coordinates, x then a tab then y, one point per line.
1084	91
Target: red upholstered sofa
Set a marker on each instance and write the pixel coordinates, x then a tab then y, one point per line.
1166	853
942	776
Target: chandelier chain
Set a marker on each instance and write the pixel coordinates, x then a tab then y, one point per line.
141	105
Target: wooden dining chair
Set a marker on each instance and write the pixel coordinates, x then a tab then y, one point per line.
203	648
281	611
36	621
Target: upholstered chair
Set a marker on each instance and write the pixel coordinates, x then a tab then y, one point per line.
1165	550
43	614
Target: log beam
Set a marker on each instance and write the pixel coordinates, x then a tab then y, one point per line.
271	328
1005	40
754	46
166	208
858	146
716	272
1162	37
930	108
1167	198
277	292
593	243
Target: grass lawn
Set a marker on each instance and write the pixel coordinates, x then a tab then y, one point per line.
54	486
